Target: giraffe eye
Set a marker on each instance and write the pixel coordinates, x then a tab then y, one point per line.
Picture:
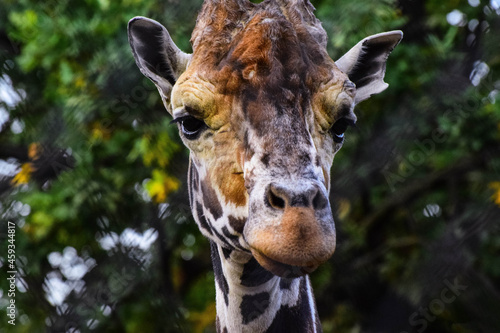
338	129
190	126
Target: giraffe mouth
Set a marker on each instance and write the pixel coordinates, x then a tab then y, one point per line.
281	269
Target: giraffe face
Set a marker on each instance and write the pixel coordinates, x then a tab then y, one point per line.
263	129
263	110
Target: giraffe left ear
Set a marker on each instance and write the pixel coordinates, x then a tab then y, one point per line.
365	63
156	54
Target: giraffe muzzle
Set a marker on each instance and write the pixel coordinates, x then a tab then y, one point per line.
293	232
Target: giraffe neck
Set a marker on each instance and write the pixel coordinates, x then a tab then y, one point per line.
250	299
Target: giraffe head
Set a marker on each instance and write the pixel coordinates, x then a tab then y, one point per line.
263	110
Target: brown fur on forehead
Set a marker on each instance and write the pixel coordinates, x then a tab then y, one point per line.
280	54
246	34
217	22
267	53
272	71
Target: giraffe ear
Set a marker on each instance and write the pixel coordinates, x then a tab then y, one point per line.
365	63
156	54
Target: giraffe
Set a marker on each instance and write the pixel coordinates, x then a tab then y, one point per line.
262	109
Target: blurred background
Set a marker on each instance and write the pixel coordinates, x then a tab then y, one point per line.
94	177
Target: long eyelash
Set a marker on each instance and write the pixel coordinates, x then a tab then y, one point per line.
352	123
179	120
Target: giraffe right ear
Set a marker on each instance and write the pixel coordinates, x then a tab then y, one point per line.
365	63
156	54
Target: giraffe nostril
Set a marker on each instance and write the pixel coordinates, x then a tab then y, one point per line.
274	199
319	201
280	197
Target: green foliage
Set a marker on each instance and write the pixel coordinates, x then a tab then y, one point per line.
104	237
